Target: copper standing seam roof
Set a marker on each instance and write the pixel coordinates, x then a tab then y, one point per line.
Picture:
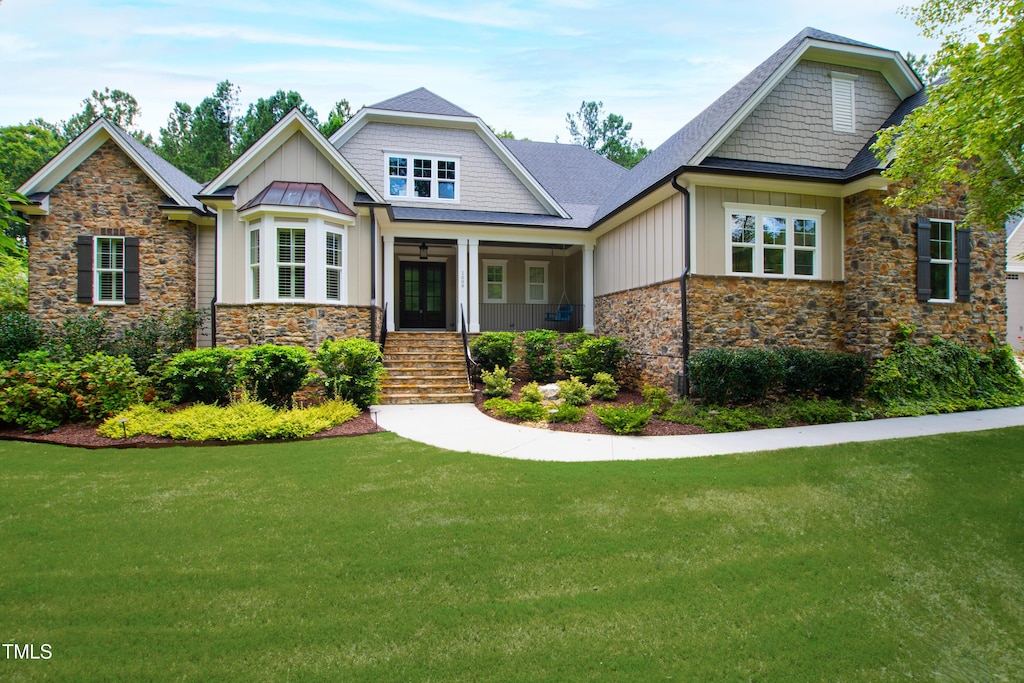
308	195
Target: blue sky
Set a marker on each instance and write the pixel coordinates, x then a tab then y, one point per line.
518	65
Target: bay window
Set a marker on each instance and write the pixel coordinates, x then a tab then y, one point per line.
296	260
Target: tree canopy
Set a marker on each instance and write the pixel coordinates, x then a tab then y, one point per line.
198	141
608	136
118	106
971	131
265	112
23	150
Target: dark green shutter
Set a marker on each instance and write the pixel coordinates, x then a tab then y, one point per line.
131	270
84	245
963	265
924	258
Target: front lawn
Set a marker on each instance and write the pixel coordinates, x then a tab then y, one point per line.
378	559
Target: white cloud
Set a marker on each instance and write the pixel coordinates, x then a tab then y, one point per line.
251	35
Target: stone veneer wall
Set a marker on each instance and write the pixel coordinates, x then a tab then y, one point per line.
306	325
648	320
109	195
764	313
881	286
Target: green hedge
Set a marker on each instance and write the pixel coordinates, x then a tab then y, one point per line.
352	370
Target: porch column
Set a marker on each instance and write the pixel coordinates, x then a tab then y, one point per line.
462	284
389	280
474	285
588	287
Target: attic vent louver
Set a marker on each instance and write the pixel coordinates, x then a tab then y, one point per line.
843	119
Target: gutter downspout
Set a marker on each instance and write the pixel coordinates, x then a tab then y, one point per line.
213	301
684	312
373	275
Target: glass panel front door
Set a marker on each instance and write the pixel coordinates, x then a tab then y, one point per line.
422	295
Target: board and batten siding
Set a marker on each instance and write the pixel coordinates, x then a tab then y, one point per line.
645	250
485	182
709	252
297	160
206	285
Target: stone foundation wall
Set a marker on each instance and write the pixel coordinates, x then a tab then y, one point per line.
648	320
306	325
881	285
109	195
764	313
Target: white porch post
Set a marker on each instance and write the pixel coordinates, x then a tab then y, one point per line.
389	280
474	285
588	287
462	284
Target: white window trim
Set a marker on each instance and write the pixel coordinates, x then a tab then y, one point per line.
844	102
96	271
759	211
536	264
434	159
343	247
503	263
255	268
949	263
316	229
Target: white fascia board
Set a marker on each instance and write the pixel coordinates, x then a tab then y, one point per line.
890	64
80	149
483	232
823	189
260	150
365	116
188	214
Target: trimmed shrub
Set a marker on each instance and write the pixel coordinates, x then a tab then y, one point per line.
598	354
656	399
272	373
818	373
627	419
531	393
494	350
498	383
539	349
352	370
574	392
604	387
724	376
200	376
565	412
518	410
18	333
104	385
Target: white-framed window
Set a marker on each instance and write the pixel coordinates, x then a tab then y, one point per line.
771	241
495	281
333	258
536	282
942	246
254	263
291	263
844	102
109	270
422	177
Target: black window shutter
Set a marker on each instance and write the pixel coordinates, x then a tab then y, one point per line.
84	245
131	270
924	258
963	265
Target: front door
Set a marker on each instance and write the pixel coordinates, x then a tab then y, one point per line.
421	295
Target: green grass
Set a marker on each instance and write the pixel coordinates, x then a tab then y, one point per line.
378	559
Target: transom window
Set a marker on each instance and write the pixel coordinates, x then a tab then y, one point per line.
110	270
432	178
941	245
773	241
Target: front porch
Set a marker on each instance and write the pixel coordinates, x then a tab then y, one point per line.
438	283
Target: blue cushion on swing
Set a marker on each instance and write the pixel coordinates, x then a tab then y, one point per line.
563	314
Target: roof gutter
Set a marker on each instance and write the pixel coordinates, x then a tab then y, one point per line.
684	379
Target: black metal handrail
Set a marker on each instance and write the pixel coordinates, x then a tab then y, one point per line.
470	363
384	326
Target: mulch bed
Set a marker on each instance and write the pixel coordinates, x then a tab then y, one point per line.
85	436
590	424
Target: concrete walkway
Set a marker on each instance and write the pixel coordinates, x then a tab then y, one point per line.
461	427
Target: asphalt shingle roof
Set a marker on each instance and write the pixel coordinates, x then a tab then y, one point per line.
421	101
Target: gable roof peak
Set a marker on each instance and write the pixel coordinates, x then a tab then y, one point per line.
421	101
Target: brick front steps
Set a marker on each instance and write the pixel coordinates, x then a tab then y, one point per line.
424	367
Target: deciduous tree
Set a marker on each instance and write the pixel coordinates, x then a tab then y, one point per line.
119	106
971	130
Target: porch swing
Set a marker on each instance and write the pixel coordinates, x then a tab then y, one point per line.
564	312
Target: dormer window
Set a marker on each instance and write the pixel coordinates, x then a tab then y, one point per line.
421	177
843	103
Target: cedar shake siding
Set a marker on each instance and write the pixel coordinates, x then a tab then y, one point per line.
107	195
